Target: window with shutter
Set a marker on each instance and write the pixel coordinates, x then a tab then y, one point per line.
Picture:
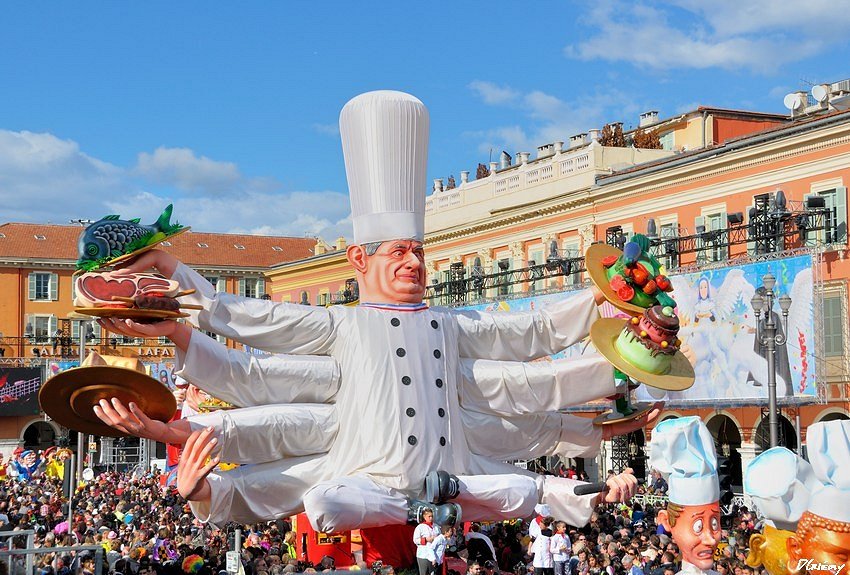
54	287
40	288
833	326
261	287
242	287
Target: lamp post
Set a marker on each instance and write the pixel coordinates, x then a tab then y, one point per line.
769	336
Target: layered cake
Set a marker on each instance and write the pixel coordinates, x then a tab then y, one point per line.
636	275
649	342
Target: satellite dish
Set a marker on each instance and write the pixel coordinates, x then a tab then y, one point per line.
88	473
820	92
795	100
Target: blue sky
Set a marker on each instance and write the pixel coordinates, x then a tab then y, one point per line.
229	110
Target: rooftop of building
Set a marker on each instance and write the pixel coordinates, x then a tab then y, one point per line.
799	124
27	241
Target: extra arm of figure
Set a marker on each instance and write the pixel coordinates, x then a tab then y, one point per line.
531	435
262	492
513	388
525	336
271	432
247	380
262	324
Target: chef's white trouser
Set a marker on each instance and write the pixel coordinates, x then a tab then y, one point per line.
557	492
359	502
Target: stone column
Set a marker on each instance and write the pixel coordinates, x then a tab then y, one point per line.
748	451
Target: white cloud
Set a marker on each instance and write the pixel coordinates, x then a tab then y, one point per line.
327	129
323	214
492	93
47	179
181	168
759	36
547	118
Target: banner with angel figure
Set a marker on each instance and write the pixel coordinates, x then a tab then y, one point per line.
718	332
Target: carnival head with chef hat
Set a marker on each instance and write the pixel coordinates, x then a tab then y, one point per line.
780	484
385	145
822	540
682	451
828	445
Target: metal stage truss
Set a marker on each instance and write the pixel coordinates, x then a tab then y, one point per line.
773	228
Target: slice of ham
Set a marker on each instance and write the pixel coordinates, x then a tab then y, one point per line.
96	289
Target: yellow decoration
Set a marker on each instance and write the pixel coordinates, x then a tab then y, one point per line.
664	344
643	333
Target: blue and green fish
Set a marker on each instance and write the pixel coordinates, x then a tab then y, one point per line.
111	237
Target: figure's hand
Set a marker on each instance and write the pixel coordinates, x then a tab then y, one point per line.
135	422
159	260
177	332
598	296
619	488
626	427
689	353
193	466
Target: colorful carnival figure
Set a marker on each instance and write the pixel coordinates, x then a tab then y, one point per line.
401	434
27	465
821	545
682	450
56	459
780	485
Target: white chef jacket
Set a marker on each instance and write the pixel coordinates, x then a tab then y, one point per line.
424	551
542	552
691	569
258	381
397	407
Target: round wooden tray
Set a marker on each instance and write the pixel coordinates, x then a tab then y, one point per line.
69	397
641	409
599	275
130	313
605	331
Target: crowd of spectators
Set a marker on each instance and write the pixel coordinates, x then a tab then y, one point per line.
147	529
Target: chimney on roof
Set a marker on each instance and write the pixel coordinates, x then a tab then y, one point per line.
578	140
340	243
523	157
545	151
319	248
648	118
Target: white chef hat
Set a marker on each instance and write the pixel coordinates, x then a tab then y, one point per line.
780	484
682	450
542	509
385	145
829	453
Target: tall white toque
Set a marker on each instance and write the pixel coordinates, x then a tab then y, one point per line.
682	451
780	484
385	145
828	446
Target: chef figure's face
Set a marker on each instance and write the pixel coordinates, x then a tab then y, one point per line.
395	273
696	532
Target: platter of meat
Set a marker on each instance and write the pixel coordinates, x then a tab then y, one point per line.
145	297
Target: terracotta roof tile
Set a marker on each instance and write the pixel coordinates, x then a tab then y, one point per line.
21	241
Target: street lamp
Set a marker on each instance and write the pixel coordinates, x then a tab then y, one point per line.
769	336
